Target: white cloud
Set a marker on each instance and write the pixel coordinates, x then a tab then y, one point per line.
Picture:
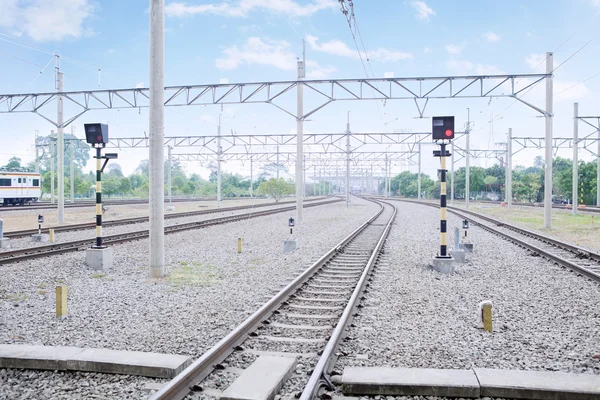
423	10
257	51
463	67
139	85
388	74
46	20
339	48
242	8
537	62
315	71
491	37
454	48
426	50
595	3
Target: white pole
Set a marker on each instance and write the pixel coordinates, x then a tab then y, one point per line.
304	179
598	172
315	180
219	153
299	141
468	161
508	190
61	146
37	153
548	158
170	178
52	162
157	133
72	164
419	176
348	160
575	188
452	173
278	162
251	177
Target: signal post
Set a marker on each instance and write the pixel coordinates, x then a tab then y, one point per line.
443	133
99	256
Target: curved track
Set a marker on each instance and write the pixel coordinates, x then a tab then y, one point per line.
13	256
583	261
308	317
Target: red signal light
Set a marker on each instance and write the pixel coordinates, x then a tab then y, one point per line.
99	138
449	132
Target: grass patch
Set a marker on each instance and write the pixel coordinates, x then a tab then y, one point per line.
98	276
17	297
61	281
42	292
195	274
42	285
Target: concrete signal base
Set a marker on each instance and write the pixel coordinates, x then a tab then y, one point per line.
290	245
170	208
99	259
466	246
458	255
41	238
4	243
445	265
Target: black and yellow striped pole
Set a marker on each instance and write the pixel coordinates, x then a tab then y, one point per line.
443	222
98	197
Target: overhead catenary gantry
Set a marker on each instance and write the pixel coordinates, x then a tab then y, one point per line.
418	89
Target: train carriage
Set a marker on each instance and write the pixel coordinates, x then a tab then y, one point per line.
19	187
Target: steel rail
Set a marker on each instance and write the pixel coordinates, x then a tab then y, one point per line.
8	257
85	203
179	387
136	220
315	381
546	254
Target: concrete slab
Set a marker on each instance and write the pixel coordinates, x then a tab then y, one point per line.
262	380
539	385
94	360
4	243
409	382
129	362
99	259
467	247
36	357
41	238
290	245
443	265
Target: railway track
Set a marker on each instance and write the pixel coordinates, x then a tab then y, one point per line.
13	256
583	261
306	319
137	220
86	203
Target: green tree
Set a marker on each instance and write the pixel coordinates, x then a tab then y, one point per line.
276	188
13	163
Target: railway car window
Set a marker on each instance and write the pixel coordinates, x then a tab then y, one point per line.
4	182
36	182
19	180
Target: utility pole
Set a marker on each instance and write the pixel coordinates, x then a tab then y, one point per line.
37	153
219	156
575	202
61	143
299	138
508	190
52	162
72	143
468	161
157	133
251	177
419	176
348	160
277	162
170	178
315	180
548	157
598	172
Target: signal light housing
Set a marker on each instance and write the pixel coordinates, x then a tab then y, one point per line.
96	134
442	128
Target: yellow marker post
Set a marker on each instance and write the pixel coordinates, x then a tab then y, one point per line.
51	235
61	301
240	240
486	315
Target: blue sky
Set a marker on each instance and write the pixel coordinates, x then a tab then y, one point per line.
259	40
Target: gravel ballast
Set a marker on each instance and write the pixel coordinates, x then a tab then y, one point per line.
545	317
210	289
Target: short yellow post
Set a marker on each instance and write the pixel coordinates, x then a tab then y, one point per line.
51	235
240	245
486	315
61	300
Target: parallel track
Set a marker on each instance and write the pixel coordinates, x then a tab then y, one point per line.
87	203
583	261
9	257
307	318
137	220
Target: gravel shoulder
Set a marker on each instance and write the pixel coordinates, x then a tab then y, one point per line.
210	289
546	317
